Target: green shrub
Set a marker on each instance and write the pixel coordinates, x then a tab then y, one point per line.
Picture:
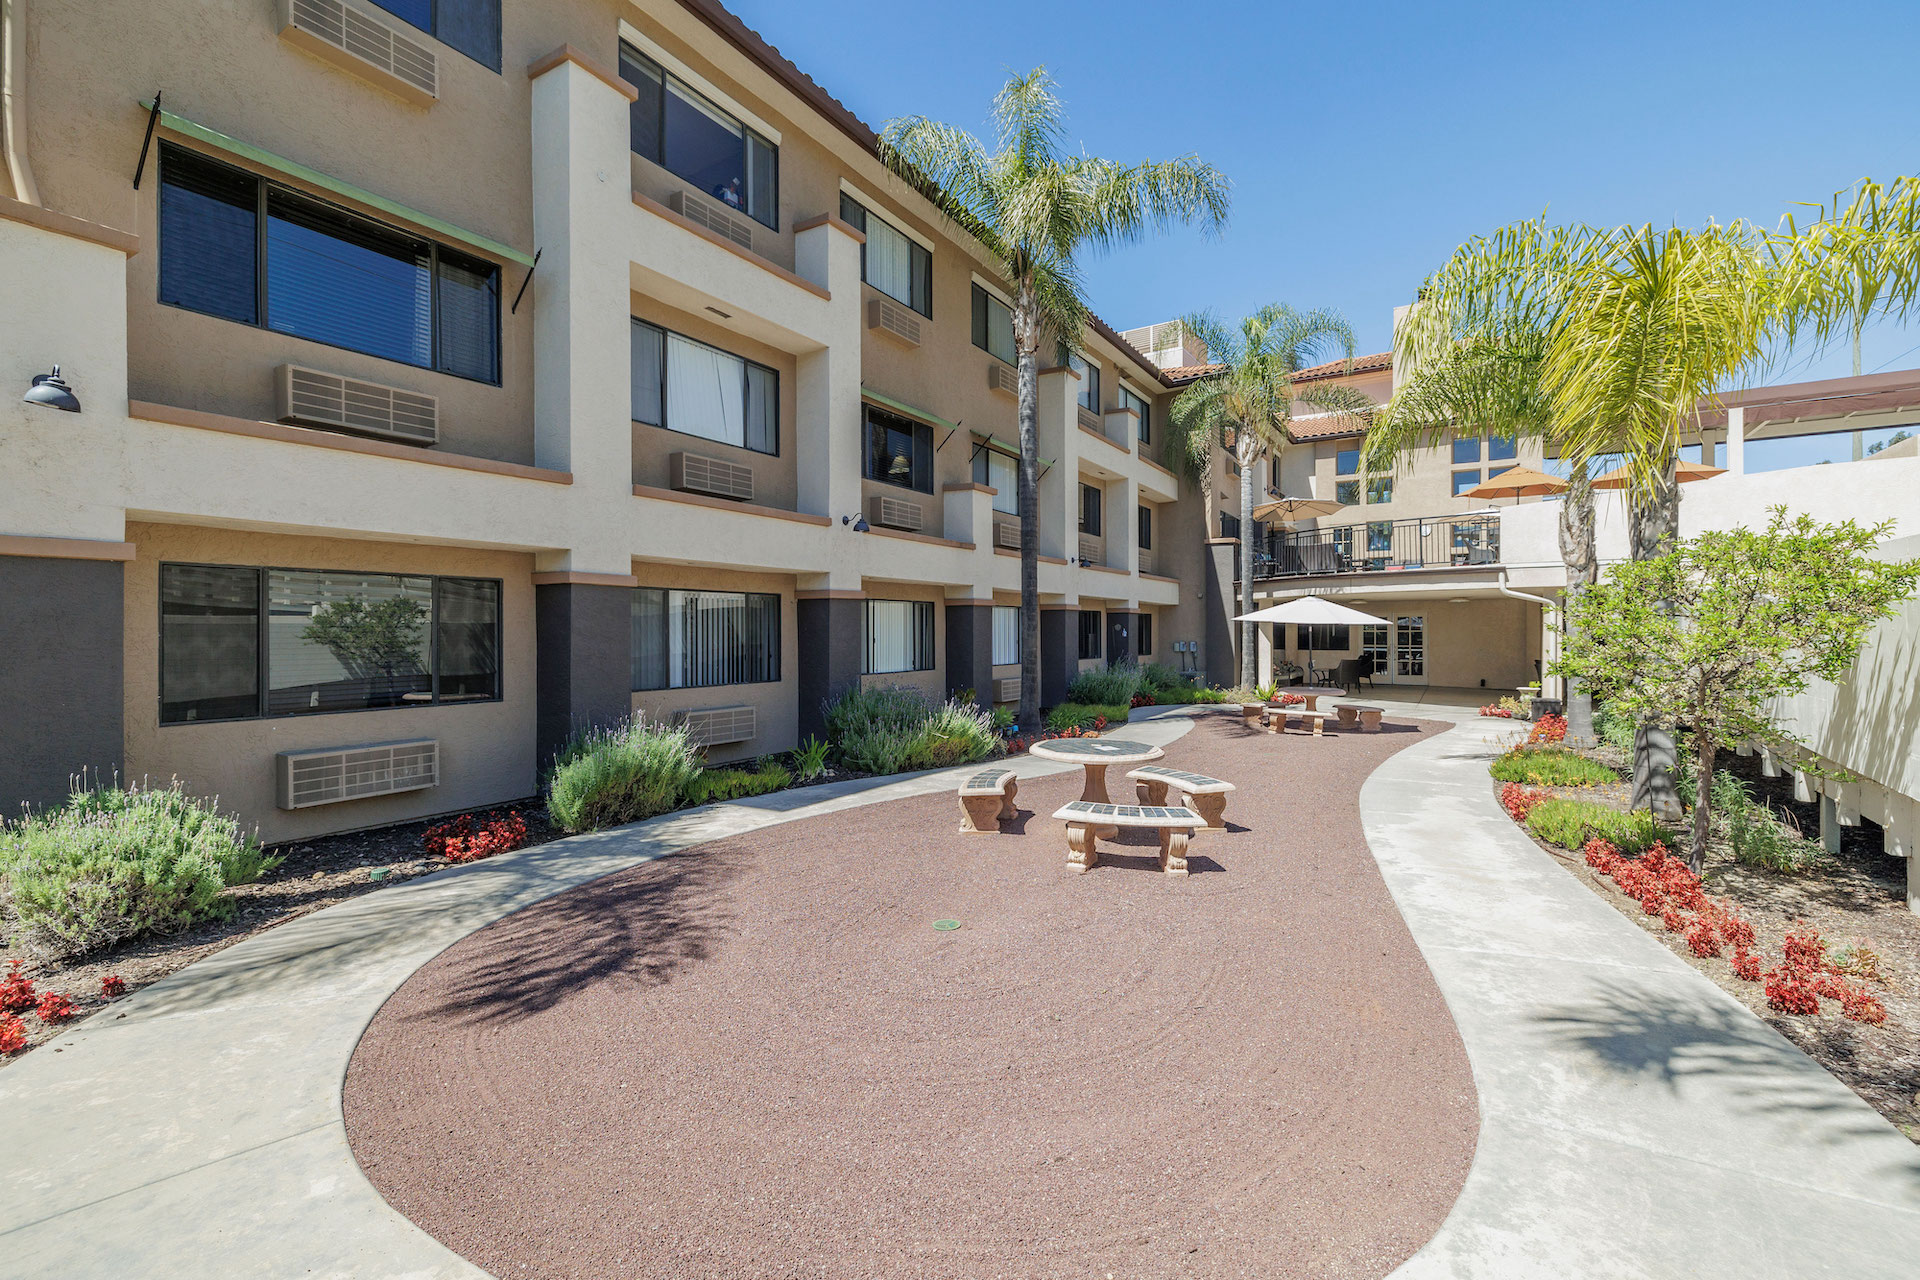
1106	686
956	733
113	864
1759	836
810	759
635	770
1178	695
1070	715
1156	678
1213	696
1550	767
1003	718
887	729
1613	729
863	709
710	786
1571	823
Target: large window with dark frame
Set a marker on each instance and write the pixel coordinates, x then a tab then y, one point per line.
993	326
1145	629
681	130
891	260
1089	393
471	26
1000	473
700	639
897	637
1322	637
1092	499
899	450
1146	527
699	390
240	247
1006	634
1128	400
1090	633
241	643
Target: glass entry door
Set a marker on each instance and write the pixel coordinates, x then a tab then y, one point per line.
1410	649
1376	645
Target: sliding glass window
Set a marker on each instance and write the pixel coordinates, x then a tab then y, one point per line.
899	636
890	260
1006	635
698	390
240	643
992	326
689	136
237	246
471	26
1128	400
899	451
1089	393
700	639
1001	474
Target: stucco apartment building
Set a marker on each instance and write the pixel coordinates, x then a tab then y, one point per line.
452	374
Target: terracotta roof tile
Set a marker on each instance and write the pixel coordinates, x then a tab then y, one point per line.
1340	369
1301	430
1188	372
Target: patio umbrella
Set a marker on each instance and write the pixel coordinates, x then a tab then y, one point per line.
1293	510
1517	483
1311	611
1684	472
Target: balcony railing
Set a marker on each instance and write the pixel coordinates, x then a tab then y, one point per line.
1380	546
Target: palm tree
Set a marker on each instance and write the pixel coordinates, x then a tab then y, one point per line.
1035	207
1249	398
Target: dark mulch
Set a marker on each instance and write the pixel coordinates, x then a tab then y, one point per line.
316	873
758	1058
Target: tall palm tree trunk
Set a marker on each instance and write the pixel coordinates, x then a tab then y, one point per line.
1249	631
1027	322
1653	522
1581	557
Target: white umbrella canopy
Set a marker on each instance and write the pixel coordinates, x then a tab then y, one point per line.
1293	510
1311	611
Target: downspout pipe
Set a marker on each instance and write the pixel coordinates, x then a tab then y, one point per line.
13	99
1508	591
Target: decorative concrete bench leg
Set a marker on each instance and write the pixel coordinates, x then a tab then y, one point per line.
980	815
1151	791
1348	717
1370	721
1081	855
1318	725
1212	807
1173	850
1280	721
1250	717
1007	809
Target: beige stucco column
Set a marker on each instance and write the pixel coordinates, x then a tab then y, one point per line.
1737	440
1122	521
1059	486
827	412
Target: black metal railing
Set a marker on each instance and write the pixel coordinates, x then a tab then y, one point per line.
1379	546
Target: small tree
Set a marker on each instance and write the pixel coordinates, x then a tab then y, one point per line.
1712	632
372	640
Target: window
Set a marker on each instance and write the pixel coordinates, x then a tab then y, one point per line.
1089	396
899	451
1091	500
1089	633
698	390
1128	400
1346	462
1346	492
471	26
1229	525
1001	474
890	260
898	636
239	247
1146	634
1499	450
1463	481
1006	635
992	326
1380	489
1146	527
238	643
1379	536
699	639
1322	637
677	128
1465	450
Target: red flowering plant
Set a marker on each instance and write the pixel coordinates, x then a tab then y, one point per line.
459	840
1141	700
1549	729
13	1034
54	1007
1519	802
112	987
1288	699
1496	712
16	991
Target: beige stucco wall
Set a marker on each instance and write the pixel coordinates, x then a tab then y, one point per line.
1490	639
486	749
776	703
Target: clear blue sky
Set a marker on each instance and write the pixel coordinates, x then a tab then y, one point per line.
1366	142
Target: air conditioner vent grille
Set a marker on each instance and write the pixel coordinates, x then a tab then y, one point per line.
1146	560
1006	533
899	323
702	212
1003	378
336	774
1007	689
366	39
893	513
715	726
1091	420
698	473
318	399
1092	550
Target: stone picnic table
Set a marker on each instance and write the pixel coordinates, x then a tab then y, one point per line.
1314	692
1096	754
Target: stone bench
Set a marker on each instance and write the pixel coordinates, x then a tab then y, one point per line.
1351	713
986	800
1252	714
1205	796
1174	823
1317	718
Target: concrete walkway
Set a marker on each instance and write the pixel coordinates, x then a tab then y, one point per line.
1636	1120
194	1129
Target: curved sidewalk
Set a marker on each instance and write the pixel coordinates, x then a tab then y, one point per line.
1636	1120
194	1128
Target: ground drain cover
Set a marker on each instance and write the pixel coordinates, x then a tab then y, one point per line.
944	925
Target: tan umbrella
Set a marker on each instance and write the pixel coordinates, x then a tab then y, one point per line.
1291	510
1518	482
1684	472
